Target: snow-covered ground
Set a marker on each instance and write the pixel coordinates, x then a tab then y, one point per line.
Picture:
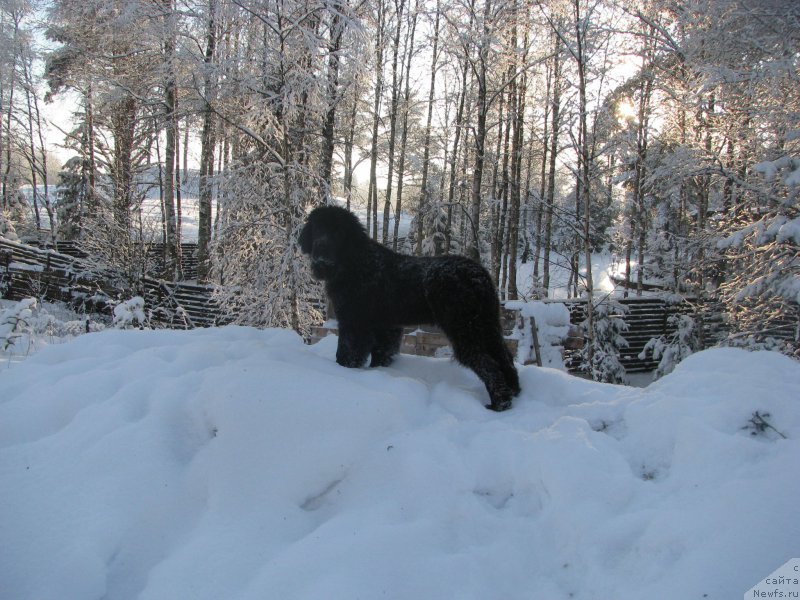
236	463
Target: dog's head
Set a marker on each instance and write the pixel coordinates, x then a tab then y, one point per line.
329	236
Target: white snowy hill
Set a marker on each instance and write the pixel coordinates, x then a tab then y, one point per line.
240	464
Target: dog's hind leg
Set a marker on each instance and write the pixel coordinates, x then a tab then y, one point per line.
386	345
506	361
493	374
487	369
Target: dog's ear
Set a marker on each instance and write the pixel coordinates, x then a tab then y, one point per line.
323	257
316	240
306	239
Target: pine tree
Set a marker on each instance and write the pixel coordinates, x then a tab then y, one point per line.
601	356
672	349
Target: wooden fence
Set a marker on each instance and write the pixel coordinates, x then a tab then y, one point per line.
27	271
188	259
155	256
647	318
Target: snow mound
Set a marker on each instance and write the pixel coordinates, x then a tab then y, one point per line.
241	464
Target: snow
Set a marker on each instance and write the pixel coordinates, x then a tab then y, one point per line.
770	168
242	464
28	326
789	232
552	326
129	314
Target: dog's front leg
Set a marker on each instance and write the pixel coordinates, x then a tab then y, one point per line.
387	344
354	347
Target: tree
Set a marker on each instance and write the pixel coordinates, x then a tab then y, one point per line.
71	199
208	141
106	58
380	36
555	128
397	80
480	67
23	159
405	110
273	177
726	157
424	202
601	355
172	246
672	349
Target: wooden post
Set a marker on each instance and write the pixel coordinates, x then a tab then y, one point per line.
535	338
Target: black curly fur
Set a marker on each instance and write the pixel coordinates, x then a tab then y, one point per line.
375	292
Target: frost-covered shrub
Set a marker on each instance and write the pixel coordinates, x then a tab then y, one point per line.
672	349
760	342
58	321
15	323
28	324
434	228
758	425
7	229
266	280
130	314
14	215
601	356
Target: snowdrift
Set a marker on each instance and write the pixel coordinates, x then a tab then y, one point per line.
240	464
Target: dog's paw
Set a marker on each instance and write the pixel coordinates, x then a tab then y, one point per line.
500	405
381	361
351	362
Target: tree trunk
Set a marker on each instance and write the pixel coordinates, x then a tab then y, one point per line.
45	177
640	167
372	200
584	168
387	202
516	185
32	162
171	249
551	177
473	245
500	189
7	192
178	204
424	195
207	144
454	158
348	152
334	46
521	89
123	122
542	180
401	163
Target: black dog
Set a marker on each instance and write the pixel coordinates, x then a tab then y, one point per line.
375	292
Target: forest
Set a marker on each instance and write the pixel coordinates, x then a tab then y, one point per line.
513	131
